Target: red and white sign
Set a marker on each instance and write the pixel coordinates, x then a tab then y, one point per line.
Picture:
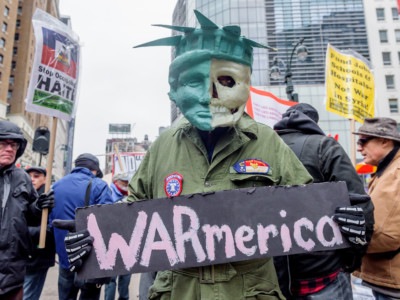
265	107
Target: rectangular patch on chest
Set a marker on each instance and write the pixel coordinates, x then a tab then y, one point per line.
250	166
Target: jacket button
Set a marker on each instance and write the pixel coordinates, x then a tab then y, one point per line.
207	184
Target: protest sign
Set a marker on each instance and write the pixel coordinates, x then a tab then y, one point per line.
55	72
130	163
211	228
266	108
350	87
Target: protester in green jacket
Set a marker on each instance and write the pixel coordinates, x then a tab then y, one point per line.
215	147
210	85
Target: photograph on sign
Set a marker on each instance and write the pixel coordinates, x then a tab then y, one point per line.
55	72
211	228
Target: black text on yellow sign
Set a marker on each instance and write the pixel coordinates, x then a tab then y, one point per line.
349	85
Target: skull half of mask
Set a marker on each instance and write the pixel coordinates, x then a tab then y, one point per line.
229	91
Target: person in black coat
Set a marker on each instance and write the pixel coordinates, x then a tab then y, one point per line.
323	275
41	259
20	207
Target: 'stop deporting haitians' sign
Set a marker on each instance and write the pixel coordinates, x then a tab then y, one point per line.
265	107
55	73
211	228
119	128
350	87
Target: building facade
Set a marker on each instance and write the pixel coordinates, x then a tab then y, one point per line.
280	24
17	51
383	27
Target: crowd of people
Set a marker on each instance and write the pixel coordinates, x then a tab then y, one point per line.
210	84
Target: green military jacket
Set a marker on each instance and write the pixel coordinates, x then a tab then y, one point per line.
181	150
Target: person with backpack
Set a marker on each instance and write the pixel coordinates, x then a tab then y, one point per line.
324	275
82	187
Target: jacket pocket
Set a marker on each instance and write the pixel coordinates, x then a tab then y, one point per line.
252	180
259	288
162	286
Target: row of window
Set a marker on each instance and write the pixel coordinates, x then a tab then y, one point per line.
384	38
380	14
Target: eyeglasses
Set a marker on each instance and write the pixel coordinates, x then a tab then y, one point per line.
362	141
4	144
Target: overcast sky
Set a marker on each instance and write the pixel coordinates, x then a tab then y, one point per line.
119	84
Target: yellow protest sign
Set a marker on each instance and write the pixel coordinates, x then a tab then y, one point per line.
350	86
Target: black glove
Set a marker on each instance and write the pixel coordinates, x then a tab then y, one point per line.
78	244
351	221
46	200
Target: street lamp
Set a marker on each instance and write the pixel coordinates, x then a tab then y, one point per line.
301	53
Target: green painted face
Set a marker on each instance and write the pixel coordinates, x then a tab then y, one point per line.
191	94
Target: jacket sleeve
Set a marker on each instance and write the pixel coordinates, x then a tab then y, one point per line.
336	166
102	192
386	237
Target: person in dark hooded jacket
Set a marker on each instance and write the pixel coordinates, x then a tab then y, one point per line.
20	207
322	275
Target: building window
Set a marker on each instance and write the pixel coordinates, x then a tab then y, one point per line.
15	50
20	10
395	13
18	23
380	14
383	36
390	82
12	79
13	65
393	106
16	37
397	35
4	27
386	58
1	58
6	11
2	43
9	94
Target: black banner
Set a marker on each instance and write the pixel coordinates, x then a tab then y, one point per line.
211	228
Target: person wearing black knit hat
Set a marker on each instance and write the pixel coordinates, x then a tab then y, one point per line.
70	193
20	206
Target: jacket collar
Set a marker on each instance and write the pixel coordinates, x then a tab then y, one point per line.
246	125
386	161
83	170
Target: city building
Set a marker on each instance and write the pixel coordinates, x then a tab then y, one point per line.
281	23
17	49
383	28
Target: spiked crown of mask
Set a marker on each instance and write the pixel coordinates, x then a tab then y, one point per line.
224	43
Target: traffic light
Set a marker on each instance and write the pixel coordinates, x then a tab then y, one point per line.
41	141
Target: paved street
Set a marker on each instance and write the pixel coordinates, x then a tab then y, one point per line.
50	286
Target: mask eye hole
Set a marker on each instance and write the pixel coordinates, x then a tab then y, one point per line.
226	81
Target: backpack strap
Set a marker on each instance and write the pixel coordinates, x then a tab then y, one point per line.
88	191
298	144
